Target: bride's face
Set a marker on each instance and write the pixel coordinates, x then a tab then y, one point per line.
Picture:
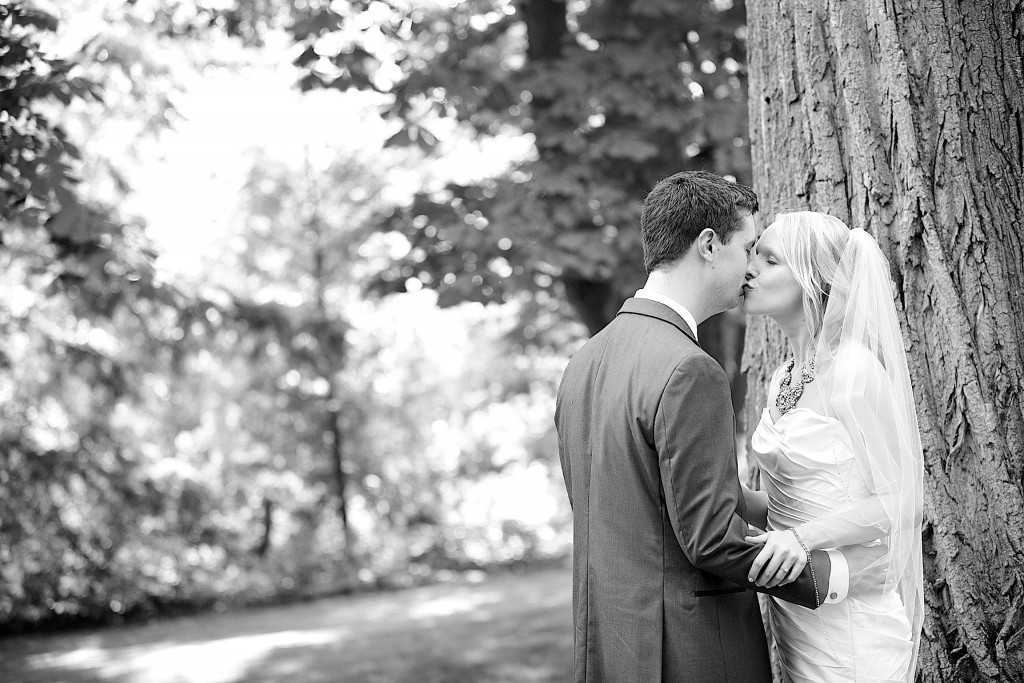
771	288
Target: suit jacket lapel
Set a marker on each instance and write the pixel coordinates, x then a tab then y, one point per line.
655	309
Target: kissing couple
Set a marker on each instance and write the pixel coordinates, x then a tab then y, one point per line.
669	545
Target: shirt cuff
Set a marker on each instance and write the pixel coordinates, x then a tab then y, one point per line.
838	578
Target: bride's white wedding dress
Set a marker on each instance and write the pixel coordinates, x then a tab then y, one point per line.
864	637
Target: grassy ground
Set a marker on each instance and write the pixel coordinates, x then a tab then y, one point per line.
506	629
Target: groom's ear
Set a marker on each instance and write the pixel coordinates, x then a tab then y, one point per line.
707	242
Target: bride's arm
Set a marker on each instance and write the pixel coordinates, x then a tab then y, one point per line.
757	507
850	525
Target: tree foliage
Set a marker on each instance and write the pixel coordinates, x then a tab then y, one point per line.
73	271
169	444
271	430
616	95
37	157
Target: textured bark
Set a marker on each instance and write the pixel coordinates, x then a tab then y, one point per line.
906	117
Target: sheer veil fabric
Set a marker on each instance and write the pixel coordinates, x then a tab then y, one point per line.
864	381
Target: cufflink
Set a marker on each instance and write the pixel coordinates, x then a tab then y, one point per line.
833	596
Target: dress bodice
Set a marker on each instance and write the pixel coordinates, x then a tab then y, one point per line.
807	464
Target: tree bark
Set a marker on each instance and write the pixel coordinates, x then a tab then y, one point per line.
907	118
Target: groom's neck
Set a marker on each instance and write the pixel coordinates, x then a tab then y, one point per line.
684	285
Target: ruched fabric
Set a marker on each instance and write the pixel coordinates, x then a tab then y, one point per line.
807	472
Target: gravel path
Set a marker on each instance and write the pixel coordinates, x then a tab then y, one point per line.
506	629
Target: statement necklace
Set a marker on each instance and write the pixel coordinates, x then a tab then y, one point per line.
789	395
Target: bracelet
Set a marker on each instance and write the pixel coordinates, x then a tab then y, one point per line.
814	579
802	544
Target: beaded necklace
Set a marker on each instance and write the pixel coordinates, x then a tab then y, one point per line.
788	395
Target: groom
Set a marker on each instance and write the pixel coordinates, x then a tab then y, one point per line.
646	440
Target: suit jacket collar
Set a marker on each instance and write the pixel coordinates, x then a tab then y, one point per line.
655	309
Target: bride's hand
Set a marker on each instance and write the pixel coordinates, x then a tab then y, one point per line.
780	561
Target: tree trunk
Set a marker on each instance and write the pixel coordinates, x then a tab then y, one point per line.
330	363
268	526
595	302
546	28
338	459
907	118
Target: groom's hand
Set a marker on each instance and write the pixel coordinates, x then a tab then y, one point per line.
868	567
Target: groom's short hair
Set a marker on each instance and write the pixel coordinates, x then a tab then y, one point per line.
681	206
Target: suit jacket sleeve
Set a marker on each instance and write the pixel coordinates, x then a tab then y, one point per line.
697	457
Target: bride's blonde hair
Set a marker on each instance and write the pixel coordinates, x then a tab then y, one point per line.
812	244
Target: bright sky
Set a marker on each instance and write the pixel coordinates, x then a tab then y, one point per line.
187	184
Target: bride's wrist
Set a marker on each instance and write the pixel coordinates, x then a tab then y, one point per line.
800	540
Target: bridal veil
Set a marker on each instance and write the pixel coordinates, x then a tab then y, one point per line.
865	388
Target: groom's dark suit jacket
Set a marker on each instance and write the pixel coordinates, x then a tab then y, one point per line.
646	439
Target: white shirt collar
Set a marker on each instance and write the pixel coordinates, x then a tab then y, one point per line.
671	303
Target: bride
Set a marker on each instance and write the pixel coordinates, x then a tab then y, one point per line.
839	450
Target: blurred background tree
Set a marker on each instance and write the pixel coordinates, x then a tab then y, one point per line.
258	428
614	95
